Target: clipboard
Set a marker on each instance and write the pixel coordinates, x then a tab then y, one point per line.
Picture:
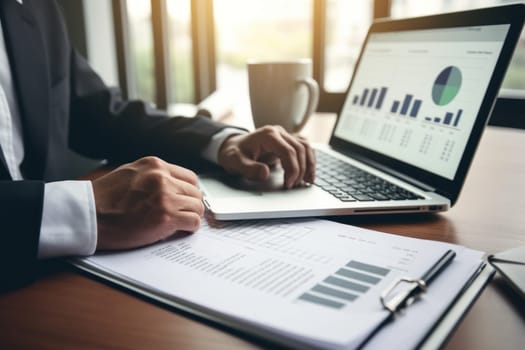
445	326
435	339
443	320
414	288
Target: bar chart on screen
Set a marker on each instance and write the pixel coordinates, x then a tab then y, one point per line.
417	101
444	89
408	106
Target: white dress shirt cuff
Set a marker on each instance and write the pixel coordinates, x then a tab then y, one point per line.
211	152
69	222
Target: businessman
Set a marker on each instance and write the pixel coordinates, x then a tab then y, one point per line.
51	100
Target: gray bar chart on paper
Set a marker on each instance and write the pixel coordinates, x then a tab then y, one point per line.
345	285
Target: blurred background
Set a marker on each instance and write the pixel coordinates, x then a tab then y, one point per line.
180	51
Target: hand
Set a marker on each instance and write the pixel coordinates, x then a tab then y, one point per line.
145	201
252	155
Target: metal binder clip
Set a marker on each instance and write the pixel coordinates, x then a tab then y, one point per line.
406	296
393	302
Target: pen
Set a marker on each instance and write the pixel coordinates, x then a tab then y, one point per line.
438	266
415	287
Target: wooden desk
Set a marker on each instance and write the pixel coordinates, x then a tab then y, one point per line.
65	309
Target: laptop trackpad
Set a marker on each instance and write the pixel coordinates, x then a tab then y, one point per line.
223	186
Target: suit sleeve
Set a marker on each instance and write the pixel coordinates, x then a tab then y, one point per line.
20	217
103	125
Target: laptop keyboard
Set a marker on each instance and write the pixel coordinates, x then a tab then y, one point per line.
351	184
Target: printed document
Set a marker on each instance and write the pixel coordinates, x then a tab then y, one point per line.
306	282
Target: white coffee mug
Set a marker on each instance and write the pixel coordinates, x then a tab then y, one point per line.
282	93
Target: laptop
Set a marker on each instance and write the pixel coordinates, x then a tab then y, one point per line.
421	94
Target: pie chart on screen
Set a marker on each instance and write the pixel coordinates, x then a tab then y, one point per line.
446	86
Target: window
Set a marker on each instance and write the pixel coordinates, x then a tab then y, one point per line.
266	30
346	25
141	50
142	53
180	51
261	30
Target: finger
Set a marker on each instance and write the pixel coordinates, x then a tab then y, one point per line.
310	161
168	204
182	174
186	221
301	155
185	188
159	182
190	204
168	209
275	143
155	163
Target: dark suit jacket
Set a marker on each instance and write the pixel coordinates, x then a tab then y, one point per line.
64	103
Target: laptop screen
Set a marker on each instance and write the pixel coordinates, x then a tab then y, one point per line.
415	94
